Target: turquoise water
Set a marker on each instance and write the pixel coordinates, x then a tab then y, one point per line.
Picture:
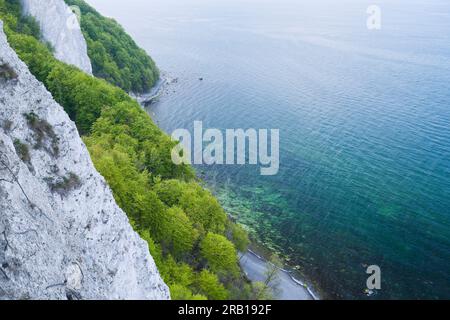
364	119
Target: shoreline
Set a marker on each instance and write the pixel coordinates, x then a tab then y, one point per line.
263	254
289	278
146	99
299	290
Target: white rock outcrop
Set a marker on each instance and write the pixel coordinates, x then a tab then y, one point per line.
60	27
62	236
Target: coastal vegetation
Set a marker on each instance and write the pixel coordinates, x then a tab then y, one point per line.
114	55
190	236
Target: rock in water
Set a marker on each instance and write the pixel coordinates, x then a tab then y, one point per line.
60	27
62	236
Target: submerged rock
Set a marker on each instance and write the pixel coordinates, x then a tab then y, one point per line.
60	27
62	236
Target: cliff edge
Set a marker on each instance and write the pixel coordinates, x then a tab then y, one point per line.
60	27
62	236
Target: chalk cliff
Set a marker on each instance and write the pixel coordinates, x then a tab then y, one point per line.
60	27
62	236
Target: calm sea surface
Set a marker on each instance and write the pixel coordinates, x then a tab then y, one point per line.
364	119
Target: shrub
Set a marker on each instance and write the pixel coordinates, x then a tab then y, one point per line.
64	185
22	151
43	132
7	73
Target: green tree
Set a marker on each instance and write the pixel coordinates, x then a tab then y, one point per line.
203	209
170	191
178	234
238	236
151	144
260	291
178	292
220	254
198	204
208	284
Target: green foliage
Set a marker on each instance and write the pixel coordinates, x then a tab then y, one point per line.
83	96
64	185
22	150
11	14
130	186
177	234
183	224
176	272
178	276
44	135
203	209
29	26
130	126
34	53
183	281
260	291
179	292
169	191
114	55
208	284
239	237
220	254
198	203
7	72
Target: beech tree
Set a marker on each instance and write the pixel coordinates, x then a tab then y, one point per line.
208	283
220	254
177	233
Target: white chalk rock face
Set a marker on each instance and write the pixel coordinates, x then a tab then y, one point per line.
60	27
62	236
